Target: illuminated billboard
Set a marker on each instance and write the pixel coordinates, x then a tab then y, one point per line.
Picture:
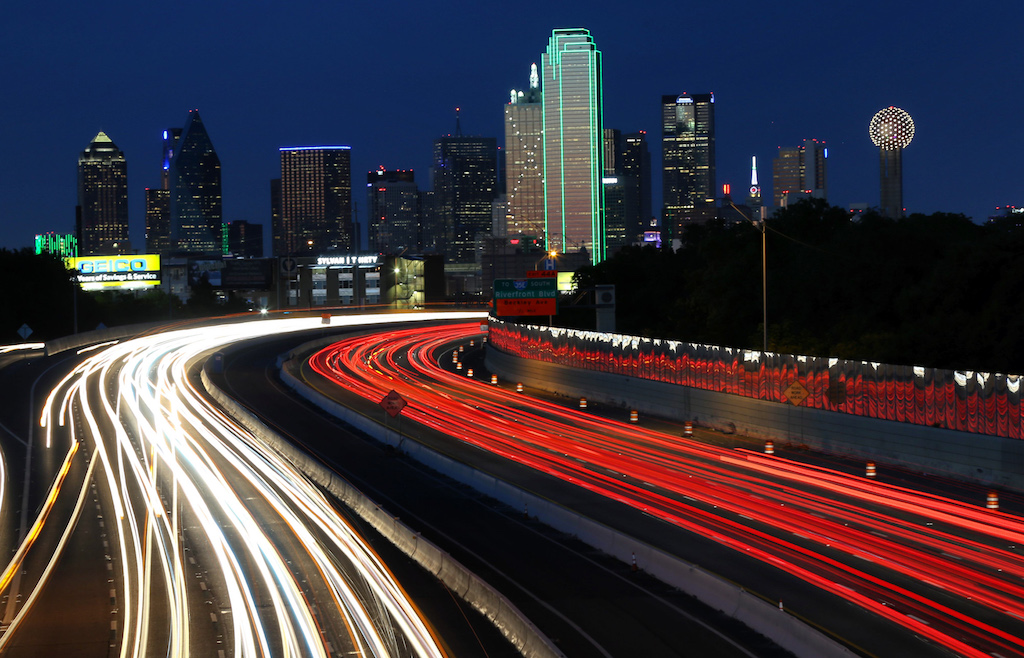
111	272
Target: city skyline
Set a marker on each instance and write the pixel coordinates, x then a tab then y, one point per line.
256	96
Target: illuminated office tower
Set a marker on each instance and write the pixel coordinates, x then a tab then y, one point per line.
158	221
573	144
195	192
688	160
800	172
524	160
891	130
393	200
102	213
465	182
316	201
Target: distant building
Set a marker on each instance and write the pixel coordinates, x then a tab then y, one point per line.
800	172
636	166
754	201
64	245
465	182
573	144
245	240
316	201
158	221
393	211
102	214
195	192
524	160
688	160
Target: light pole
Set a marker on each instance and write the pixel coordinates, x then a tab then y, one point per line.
764	270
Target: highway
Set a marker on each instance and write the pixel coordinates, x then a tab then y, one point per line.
929	570
205	541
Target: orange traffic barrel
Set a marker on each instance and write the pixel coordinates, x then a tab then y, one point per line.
583	403
471	343
870	470
458	365
634	416
519	387
494	379
469	373
993	500
687	428
769	447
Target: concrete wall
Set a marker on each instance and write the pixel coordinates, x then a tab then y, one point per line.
980	458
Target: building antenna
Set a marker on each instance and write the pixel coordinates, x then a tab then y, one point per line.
458	126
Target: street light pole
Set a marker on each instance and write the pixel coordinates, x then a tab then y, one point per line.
764	271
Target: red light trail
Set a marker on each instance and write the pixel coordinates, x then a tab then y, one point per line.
942	569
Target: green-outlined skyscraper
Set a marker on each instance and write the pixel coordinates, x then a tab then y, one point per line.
573	143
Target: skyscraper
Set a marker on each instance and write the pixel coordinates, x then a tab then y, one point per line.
573	144
465	182
524	160
800	170
316	201
891	130
688	160
102	217
158	201
393	200
195	192
158	221
635	166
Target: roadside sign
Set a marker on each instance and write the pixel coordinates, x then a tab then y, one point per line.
541	274
796	393
25	331
535	288
536	295
393	403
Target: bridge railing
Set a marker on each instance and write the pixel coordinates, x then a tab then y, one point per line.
983	403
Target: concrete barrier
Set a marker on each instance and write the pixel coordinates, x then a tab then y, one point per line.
515	626
980	458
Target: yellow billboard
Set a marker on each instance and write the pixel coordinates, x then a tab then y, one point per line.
122	271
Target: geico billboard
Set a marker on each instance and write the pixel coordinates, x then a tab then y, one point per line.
95	272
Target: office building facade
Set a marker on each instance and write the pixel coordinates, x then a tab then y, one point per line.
800	172
465	182
573	144
102	213
194	183
316	201
393	211
524	160
688	160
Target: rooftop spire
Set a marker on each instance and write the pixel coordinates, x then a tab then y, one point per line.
753	170
534	77
458	125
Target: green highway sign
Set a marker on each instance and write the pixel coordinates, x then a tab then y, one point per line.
534	288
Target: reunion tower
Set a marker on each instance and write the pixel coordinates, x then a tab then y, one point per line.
891	130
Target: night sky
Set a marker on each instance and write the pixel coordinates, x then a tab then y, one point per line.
385	78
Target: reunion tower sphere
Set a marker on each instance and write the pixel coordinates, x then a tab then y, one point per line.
891	128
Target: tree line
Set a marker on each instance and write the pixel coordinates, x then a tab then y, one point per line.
931	290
